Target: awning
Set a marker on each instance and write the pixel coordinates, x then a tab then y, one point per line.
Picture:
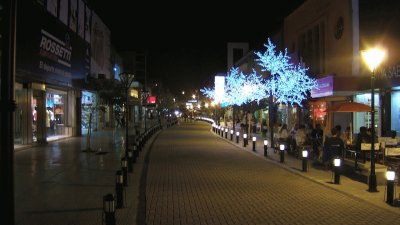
349	107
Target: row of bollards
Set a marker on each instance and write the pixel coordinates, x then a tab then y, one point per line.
112	202
336	169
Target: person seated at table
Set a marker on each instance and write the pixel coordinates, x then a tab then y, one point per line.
333	147
362	137
347	136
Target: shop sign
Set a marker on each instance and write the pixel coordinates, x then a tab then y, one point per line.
47	49
151	100
324	87
390	72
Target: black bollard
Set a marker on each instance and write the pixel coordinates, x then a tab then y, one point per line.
109	209
282	153
254	139
124	168
119	189
231	135
130	161
244	140
304	160
135	153
265	148
390	177
336	170
237	137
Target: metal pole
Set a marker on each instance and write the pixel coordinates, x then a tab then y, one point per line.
126	120
8	32
372	176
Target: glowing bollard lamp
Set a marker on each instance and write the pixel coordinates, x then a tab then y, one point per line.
231	135
265	148
373	57
254	139
130	161
282	152
124	168
109	209
119	189
226	133
390	176
336	170
237	137
304	153
244	140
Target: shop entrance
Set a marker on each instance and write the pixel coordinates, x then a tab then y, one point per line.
55	112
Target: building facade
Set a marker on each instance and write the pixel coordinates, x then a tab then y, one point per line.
53	53
328	36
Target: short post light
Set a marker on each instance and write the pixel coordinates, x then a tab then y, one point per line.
237	137
265	148
336	170
244	140
222	132
130	161
282	152
226	133
119	189
390	177
109	209
254	139
124	167
231	135
304	161
135	153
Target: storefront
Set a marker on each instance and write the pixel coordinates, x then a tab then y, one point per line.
56	112
395	110
50	59
363	119
88	101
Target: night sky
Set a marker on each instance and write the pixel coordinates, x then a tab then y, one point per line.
186	42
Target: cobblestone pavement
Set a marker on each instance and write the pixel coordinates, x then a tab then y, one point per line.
195	177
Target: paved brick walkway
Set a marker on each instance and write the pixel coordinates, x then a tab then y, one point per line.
185	175
195	177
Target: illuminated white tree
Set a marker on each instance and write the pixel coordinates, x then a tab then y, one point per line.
239	88
287	83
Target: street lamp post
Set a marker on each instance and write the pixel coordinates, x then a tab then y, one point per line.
373	57
126	80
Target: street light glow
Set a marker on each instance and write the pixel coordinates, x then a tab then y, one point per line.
373	57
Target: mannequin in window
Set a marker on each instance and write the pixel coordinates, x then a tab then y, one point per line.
50	121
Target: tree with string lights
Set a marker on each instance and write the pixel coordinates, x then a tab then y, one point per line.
287	83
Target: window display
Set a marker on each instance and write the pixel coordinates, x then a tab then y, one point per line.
55	118
395	123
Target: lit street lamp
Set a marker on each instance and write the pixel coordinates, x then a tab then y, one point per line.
372	57
126	80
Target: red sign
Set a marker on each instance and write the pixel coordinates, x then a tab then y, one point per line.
151	100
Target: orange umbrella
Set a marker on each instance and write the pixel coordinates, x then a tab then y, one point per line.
350	107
